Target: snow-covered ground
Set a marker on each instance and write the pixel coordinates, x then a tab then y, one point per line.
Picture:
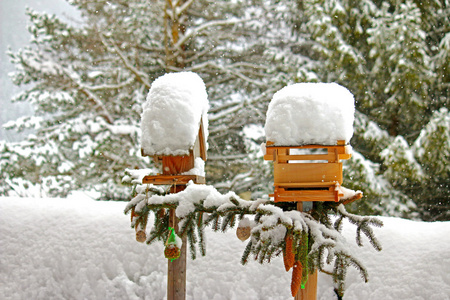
78	248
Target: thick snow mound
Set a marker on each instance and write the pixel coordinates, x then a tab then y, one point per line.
78	248
310	113
171	117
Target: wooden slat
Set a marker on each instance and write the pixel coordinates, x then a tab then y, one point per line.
326	157
281	155
172	179
309	157
306	147
269	153
345	156
307	172
281	195
268	157
354	198
339	144
202	140
303	196
342	150
307	184
177	164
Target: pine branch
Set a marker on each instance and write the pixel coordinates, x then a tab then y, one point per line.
247	251
138	74
316	240
363	225
192	238
201	233
203	27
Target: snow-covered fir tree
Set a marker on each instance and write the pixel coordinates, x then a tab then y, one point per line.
392	56
87	84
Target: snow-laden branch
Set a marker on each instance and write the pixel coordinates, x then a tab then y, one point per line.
88	93
363	224
314	241
205	26
180	10
141	77
237	179
92	97
109	86
232	69
230	109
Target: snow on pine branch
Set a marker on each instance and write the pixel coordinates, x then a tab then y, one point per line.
199	206
197	30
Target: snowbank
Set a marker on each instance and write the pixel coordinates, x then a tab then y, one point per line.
310	113
171	116
78	248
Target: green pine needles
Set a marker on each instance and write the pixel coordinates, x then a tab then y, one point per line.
317	240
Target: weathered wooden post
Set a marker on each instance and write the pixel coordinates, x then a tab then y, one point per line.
308	128
174	133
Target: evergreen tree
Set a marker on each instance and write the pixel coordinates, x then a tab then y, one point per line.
401	59
86	96
432	150
88	83
392	55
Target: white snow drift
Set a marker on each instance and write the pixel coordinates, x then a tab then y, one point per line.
78	248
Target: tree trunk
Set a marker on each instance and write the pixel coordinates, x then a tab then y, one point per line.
173	30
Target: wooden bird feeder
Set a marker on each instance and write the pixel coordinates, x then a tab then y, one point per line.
307	177
176	106
172	169
308	126
173	166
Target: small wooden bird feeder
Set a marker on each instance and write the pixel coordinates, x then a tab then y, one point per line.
174	165
308	127
307	177
174	133
174	128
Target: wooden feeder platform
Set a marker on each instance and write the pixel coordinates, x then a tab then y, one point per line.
173	179
307	177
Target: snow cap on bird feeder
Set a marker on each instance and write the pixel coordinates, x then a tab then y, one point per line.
307	128
175	115
310	113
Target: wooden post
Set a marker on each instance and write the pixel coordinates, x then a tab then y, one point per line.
310	290
176	270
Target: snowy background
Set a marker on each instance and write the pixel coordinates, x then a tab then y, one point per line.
14	35
78	248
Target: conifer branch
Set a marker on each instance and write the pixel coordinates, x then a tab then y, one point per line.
363	224
316	240
138	74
